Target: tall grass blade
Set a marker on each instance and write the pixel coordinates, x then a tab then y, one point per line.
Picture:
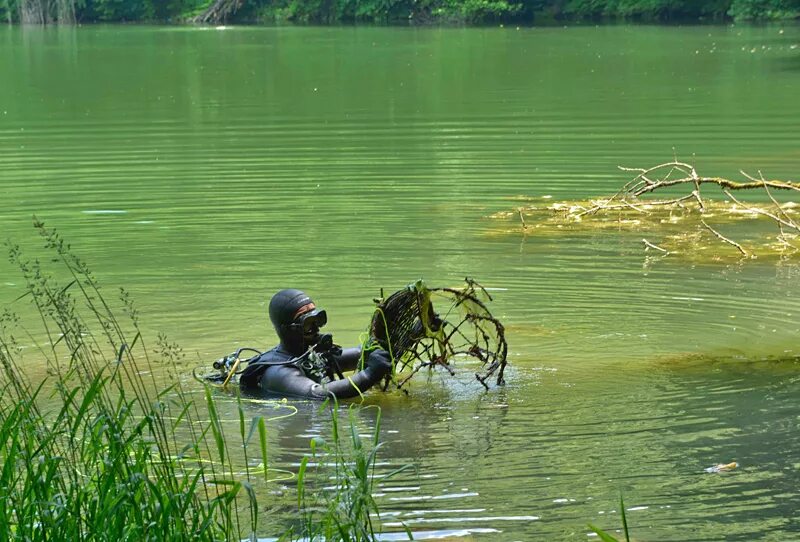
301	482
624	518
216	428
604	536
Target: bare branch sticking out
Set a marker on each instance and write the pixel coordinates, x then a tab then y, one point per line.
522	219
725	239
648	245
788	219
639	186
760	211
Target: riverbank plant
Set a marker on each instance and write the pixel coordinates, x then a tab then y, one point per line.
345	511
94	448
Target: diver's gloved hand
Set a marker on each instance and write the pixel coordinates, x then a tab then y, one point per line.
378	365
380	361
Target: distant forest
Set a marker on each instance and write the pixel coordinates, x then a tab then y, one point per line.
391	11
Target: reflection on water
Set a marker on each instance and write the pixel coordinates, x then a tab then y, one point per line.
204	170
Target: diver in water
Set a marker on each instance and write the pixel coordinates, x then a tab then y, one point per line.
305	363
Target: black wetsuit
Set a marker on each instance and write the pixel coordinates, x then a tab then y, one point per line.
289	380
297	321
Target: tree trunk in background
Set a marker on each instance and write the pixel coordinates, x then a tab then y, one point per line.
33	11
65	11
218	11
46	11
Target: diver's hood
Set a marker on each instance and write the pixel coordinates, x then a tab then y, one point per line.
285	307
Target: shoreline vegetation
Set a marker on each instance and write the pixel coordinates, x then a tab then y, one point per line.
407	12
98	449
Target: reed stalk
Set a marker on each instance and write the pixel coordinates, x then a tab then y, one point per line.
96	450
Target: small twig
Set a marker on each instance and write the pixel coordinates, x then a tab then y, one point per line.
634	207
743	172
669	173
648	245
597	207
482	380
643	172
782	239
763	212
605	207
696	195
522	219
725	239
676	201
778	206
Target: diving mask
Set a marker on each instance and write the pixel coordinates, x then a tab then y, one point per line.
310	322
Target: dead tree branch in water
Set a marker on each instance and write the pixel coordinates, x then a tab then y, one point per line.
724	239
636	204
675	173
642	184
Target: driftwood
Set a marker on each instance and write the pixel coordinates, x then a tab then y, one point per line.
637	203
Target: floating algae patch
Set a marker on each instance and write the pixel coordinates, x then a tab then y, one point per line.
786	363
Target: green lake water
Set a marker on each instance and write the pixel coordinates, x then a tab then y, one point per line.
203	169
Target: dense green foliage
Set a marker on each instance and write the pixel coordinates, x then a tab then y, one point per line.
392	11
